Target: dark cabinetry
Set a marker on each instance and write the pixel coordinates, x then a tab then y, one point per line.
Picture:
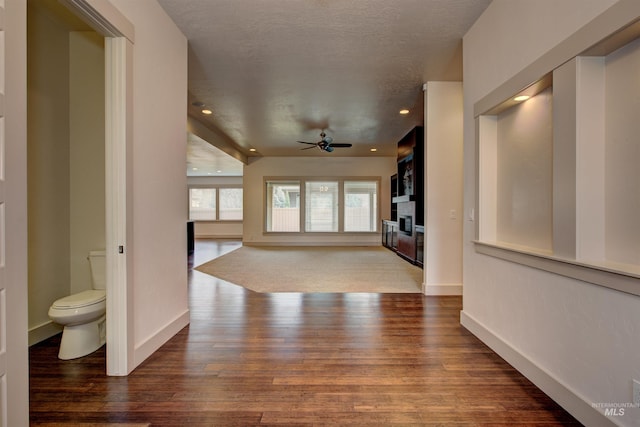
390	234
407	197
406	230
190	239
420	245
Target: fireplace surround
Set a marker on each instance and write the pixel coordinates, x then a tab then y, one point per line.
407	196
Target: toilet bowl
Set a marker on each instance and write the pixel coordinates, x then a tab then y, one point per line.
83	314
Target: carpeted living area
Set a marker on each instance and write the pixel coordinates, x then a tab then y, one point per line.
316	269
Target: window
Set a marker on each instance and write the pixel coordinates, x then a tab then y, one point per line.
231	203
321	207
215	203
323	212
360	205
202	204
283	206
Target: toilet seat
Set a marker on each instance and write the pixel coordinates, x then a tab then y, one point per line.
81	299
79	308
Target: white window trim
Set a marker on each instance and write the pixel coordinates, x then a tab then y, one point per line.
302	180
217	187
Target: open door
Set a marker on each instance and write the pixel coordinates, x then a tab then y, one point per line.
14	371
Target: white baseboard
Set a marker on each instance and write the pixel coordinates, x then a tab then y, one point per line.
43	331
320	244
151	344
442	289
573	403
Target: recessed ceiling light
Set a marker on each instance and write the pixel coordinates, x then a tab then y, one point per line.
219	171
194	169
404	111
207	111
373	150
252	149
521	98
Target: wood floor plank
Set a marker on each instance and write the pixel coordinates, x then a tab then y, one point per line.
250	359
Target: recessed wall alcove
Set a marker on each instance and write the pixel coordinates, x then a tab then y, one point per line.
558	173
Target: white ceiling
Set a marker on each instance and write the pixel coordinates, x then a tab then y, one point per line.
278	71
204	159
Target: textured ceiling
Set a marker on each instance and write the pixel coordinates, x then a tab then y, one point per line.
278	71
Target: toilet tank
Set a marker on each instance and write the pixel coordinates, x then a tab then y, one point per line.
98	264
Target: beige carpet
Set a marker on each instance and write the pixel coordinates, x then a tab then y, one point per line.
316	269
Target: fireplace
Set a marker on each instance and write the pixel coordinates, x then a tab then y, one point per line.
405	224
406	234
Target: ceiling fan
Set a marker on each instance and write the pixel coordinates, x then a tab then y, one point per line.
325	144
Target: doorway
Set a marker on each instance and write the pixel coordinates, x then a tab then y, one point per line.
65	161
79	193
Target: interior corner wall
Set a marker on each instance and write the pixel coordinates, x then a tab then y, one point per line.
87	153
326	166
576	340
443	188
47	165
160	306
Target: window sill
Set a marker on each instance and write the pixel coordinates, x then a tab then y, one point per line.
621	277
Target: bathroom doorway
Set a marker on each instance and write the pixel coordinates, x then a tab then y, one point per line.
77	157
65	157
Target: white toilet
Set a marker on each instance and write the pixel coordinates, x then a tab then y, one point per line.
83	314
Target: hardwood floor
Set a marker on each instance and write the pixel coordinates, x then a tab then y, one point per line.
251	359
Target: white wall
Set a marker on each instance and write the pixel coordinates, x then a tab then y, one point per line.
160	304
48	163
578	341
525	166
214	180
87	153
622	155
443	188
327	166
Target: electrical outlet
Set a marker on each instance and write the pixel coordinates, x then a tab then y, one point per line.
636	392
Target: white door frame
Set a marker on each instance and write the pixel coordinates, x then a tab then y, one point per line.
14	356
118	31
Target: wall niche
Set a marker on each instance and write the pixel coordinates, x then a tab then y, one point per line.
557	173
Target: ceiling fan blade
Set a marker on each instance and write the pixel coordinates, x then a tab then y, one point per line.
325	144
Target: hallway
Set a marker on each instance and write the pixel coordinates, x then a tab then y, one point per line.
297	359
